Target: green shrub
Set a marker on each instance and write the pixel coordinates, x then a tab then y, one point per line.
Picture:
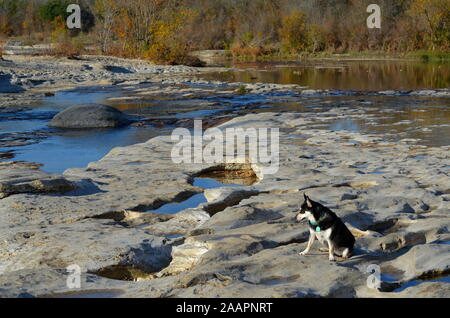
53	9
170	44
242	90
298	36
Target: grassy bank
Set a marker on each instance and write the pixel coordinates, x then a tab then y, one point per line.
431	56
424	56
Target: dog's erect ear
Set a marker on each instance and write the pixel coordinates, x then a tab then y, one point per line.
308	201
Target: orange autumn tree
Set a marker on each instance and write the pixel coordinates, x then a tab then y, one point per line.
298	36
134	22
170	42
433	18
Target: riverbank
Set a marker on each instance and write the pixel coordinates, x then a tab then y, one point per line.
35	76
422	56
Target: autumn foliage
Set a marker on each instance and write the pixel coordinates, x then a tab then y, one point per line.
433	17
166	31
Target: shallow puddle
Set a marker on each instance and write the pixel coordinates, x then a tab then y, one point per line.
215	177
172	208
122	272
417	282
209	183
391	279
238	177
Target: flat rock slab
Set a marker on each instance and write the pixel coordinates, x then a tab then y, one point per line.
53	283
49	185
93	245
28	180
90	116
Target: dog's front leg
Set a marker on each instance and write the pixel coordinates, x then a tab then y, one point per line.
330	250
312	237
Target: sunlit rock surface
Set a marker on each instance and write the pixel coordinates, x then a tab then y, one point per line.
239	241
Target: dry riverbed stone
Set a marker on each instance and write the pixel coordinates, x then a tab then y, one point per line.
90	116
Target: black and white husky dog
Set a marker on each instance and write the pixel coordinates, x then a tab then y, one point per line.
327	227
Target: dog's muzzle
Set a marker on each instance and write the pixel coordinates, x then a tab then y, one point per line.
300	216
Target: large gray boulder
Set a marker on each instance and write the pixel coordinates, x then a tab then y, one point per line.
90	116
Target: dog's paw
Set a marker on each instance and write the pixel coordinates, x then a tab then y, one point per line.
331	259
303	253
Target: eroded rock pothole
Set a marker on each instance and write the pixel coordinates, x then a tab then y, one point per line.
226	175
188	254
176	220
230	174
391	285
123	272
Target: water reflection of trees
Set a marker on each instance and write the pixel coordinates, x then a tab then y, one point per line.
351	75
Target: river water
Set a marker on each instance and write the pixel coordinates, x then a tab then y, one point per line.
399	117
344	75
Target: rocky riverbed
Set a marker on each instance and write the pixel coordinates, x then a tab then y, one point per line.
35	76
139	225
